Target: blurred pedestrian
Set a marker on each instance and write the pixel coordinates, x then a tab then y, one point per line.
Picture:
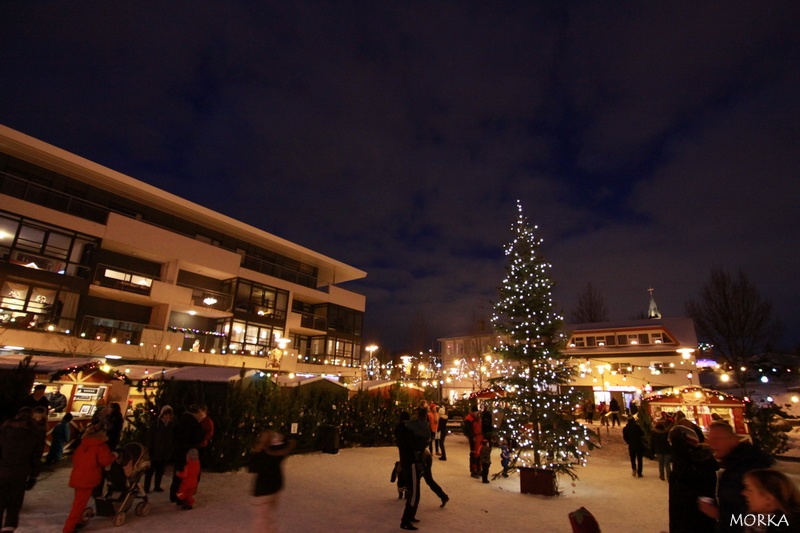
772	496
661	448
265	461
613	409
159	441
693	478
188	434
58	439
88	462
427	475
21	447
736	457
189	476
588	411
634	438
37	398
486	460
208	434
441	432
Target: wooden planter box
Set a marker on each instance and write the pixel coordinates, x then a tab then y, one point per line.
537	481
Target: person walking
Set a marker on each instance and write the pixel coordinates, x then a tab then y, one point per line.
736	458
265	461
441	432
427	475
412	441
21	447
505	457
693	478
588	411
58	439
88	462
159	441
405	460
661	448
433	420
613	409
188	435
633	436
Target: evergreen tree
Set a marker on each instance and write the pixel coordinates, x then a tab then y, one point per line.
536	374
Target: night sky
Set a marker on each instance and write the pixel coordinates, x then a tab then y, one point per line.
649	141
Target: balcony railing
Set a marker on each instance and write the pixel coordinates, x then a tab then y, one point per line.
123	280
109	330
41	195
277	271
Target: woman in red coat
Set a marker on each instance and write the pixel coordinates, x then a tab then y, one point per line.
88	462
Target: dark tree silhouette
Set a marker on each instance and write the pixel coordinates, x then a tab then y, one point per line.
591	307
732	316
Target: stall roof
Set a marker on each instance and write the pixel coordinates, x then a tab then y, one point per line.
297	381
380	383
691	395
45	364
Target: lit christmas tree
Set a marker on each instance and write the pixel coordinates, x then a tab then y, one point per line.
539	402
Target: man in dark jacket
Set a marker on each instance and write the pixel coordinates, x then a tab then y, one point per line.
188	435
633	435
736	457
21	447
412	439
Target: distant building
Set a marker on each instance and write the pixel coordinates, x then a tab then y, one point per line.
96	263
613	359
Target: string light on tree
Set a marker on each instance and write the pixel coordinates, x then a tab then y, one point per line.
535	371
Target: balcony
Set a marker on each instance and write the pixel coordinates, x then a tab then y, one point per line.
209	299
109	330
311	321
44	196
113	277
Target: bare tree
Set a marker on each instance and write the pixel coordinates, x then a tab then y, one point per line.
591	307
76	346
732	316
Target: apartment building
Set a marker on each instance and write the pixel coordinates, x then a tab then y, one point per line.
96	263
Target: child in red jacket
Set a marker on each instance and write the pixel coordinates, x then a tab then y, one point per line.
88	462
190	476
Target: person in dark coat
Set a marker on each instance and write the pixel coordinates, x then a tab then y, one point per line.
21	447
661	448
736	458
693	476
113	425
406	459
188	434
58	402
265	461
37	398
58	438
160	437
412	440
613	409
633	436
427	475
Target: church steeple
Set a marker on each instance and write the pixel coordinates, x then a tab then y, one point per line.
652	311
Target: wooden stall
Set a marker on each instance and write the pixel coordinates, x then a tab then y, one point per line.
701	406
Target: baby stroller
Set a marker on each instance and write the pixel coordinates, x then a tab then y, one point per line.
123	486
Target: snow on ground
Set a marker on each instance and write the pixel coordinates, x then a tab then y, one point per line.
351	492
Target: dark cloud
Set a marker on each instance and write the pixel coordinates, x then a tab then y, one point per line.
649	141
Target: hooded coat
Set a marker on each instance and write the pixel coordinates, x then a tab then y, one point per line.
89	460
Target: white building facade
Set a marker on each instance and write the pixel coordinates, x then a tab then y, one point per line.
96	263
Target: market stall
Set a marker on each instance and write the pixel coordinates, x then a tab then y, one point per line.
701	406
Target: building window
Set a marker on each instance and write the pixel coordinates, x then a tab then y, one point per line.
28	306
261	300
43	247
249	338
